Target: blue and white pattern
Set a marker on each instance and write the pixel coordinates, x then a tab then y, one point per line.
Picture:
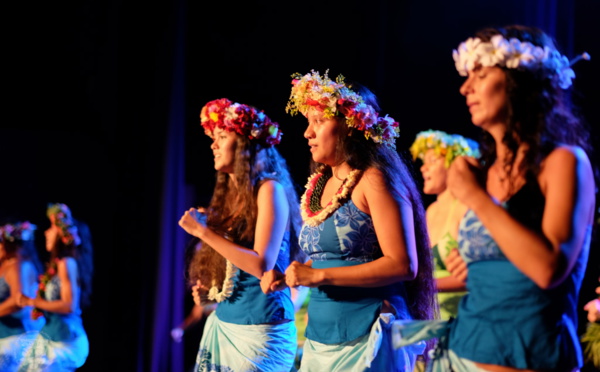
355	238
475	241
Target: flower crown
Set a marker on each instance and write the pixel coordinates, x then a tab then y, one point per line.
312	91
22	231
239	118
514	54
447	145
64	221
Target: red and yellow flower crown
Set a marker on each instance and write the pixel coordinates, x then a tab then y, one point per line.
313	91
242	119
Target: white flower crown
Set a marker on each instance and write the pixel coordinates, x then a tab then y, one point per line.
514	54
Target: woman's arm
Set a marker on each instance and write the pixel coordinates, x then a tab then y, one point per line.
566	181
10	305
69	290
394	227
271	224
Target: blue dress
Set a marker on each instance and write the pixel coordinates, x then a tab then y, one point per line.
251	331
17	330
506	319
346	330
62	343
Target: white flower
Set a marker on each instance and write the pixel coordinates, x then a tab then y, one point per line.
512	54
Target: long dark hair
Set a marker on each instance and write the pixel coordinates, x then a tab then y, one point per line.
540	113
232	210
75	241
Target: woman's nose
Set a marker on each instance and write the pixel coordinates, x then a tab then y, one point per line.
466	87
309	132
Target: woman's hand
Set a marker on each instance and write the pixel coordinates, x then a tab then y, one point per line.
196	289
193	222
272	281
593	310
23	300
465	179
456	265
300	274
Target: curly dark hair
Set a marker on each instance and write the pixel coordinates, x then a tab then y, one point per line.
540	113
255	163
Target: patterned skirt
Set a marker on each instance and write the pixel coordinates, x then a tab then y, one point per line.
371	352
228	347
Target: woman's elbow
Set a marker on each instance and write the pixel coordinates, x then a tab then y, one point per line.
406	271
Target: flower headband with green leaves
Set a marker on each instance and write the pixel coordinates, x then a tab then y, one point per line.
335	98
515	54
447	145
242	119
64	221
22	231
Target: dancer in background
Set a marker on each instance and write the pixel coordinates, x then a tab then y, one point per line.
531	200
364	232
591	338
62	343
19	270
437	150
250	226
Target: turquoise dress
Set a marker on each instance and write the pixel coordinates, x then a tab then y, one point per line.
11	328
525	326
345	330
506	319
251	331
17	330
62	343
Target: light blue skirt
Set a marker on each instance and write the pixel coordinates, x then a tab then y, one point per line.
12	349
371	352
406	333
232	347
49	356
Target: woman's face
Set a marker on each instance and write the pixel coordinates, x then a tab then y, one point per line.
51	235
434	173
322	135
223	147
485	91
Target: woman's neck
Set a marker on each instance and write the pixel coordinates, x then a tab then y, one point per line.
341	171
445	197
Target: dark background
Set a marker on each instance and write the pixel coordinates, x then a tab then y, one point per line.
101	113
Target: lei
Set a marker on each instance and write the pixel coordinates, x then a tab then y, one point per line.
514	54
242	119
44	279
313	91
447	145
312	213
213	292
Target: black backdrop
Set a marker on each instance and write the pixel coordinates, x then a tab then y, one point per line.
102	102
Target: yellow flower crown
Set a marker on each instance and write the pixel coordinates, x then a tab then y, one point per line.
65	222
448	145
335	98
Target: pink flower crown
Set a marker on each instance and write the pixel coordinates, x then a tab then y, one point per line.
239	118
22	231
312	91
